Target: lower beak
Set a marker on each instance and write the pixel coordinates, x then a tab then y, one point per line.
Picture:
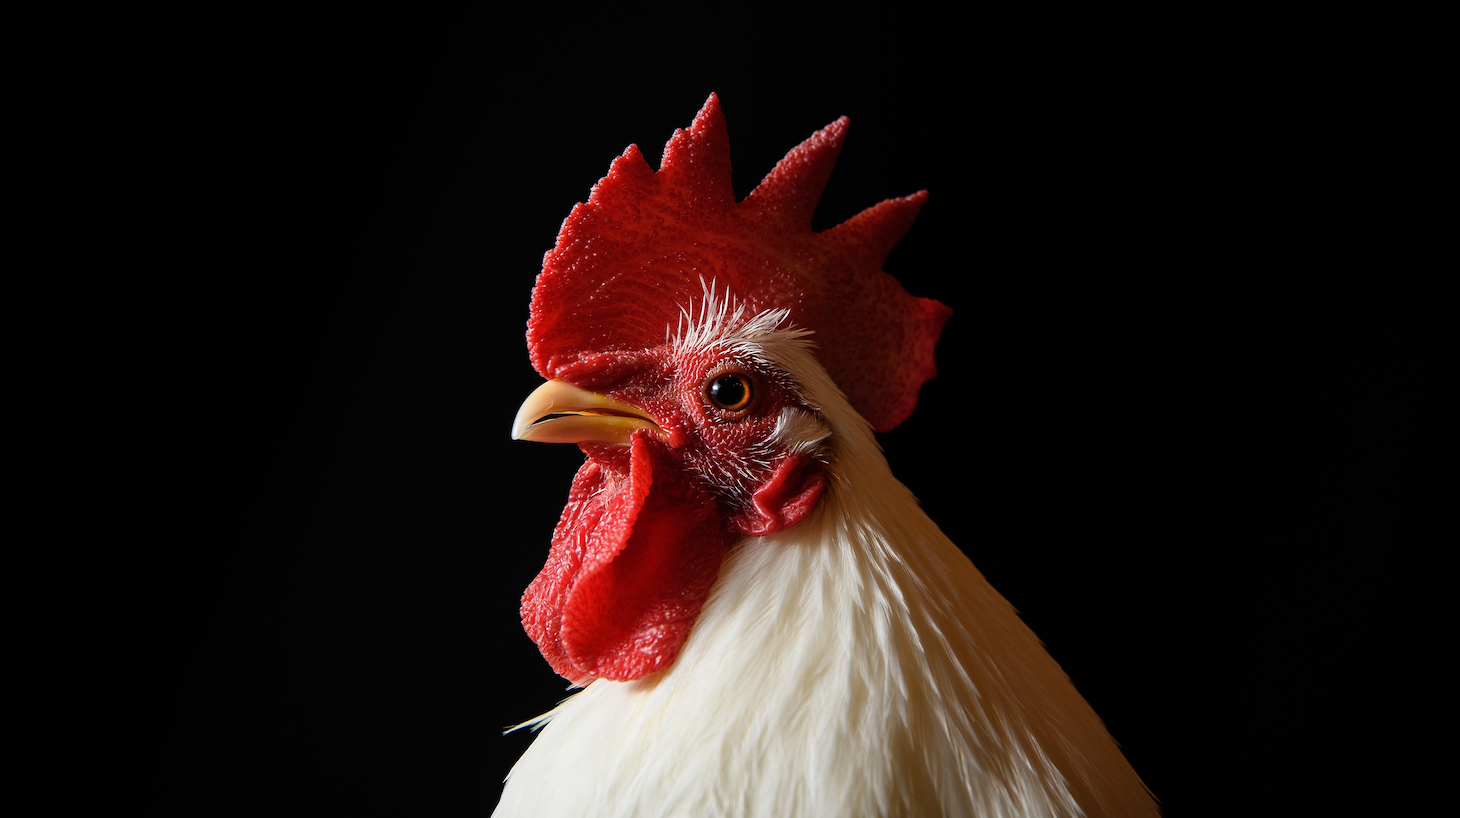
559	412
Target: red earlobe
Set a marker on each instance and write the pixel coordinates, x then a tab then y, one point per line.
785	499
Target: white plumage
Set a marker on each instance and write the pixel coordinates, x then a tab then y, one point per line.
855	664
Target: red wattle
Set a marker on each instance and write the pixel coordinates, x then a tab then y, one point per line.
632	561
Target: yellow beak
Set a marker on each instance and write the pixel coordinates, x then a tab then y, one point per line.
559	412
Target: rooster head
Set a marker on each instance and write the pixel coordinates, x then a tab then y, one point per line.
675	327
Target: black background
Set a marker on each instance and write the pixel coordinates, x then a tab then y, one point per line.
321	235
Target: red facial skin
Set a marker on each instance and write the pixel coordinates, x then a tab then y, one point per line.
646	526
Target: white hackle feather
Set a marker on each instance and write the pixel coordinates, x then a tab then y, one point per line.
855	664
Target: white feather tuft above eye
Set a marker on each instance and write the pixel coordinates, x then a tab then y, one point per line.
723	321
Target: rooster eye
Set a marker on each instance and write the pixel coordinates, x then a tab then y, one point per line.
730	391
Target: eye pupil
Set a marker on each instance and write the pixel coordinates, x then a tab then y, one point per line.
730	391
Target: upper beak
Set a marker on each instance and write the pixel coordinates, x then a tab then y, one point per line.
559	412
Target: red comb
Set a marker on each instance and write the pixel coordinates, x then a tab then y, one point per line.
645	244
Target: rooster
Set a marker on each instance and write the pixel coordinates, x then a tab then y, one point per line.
762	619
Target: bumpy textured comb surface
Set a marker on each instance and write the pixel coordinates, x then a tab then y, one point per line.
630	258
